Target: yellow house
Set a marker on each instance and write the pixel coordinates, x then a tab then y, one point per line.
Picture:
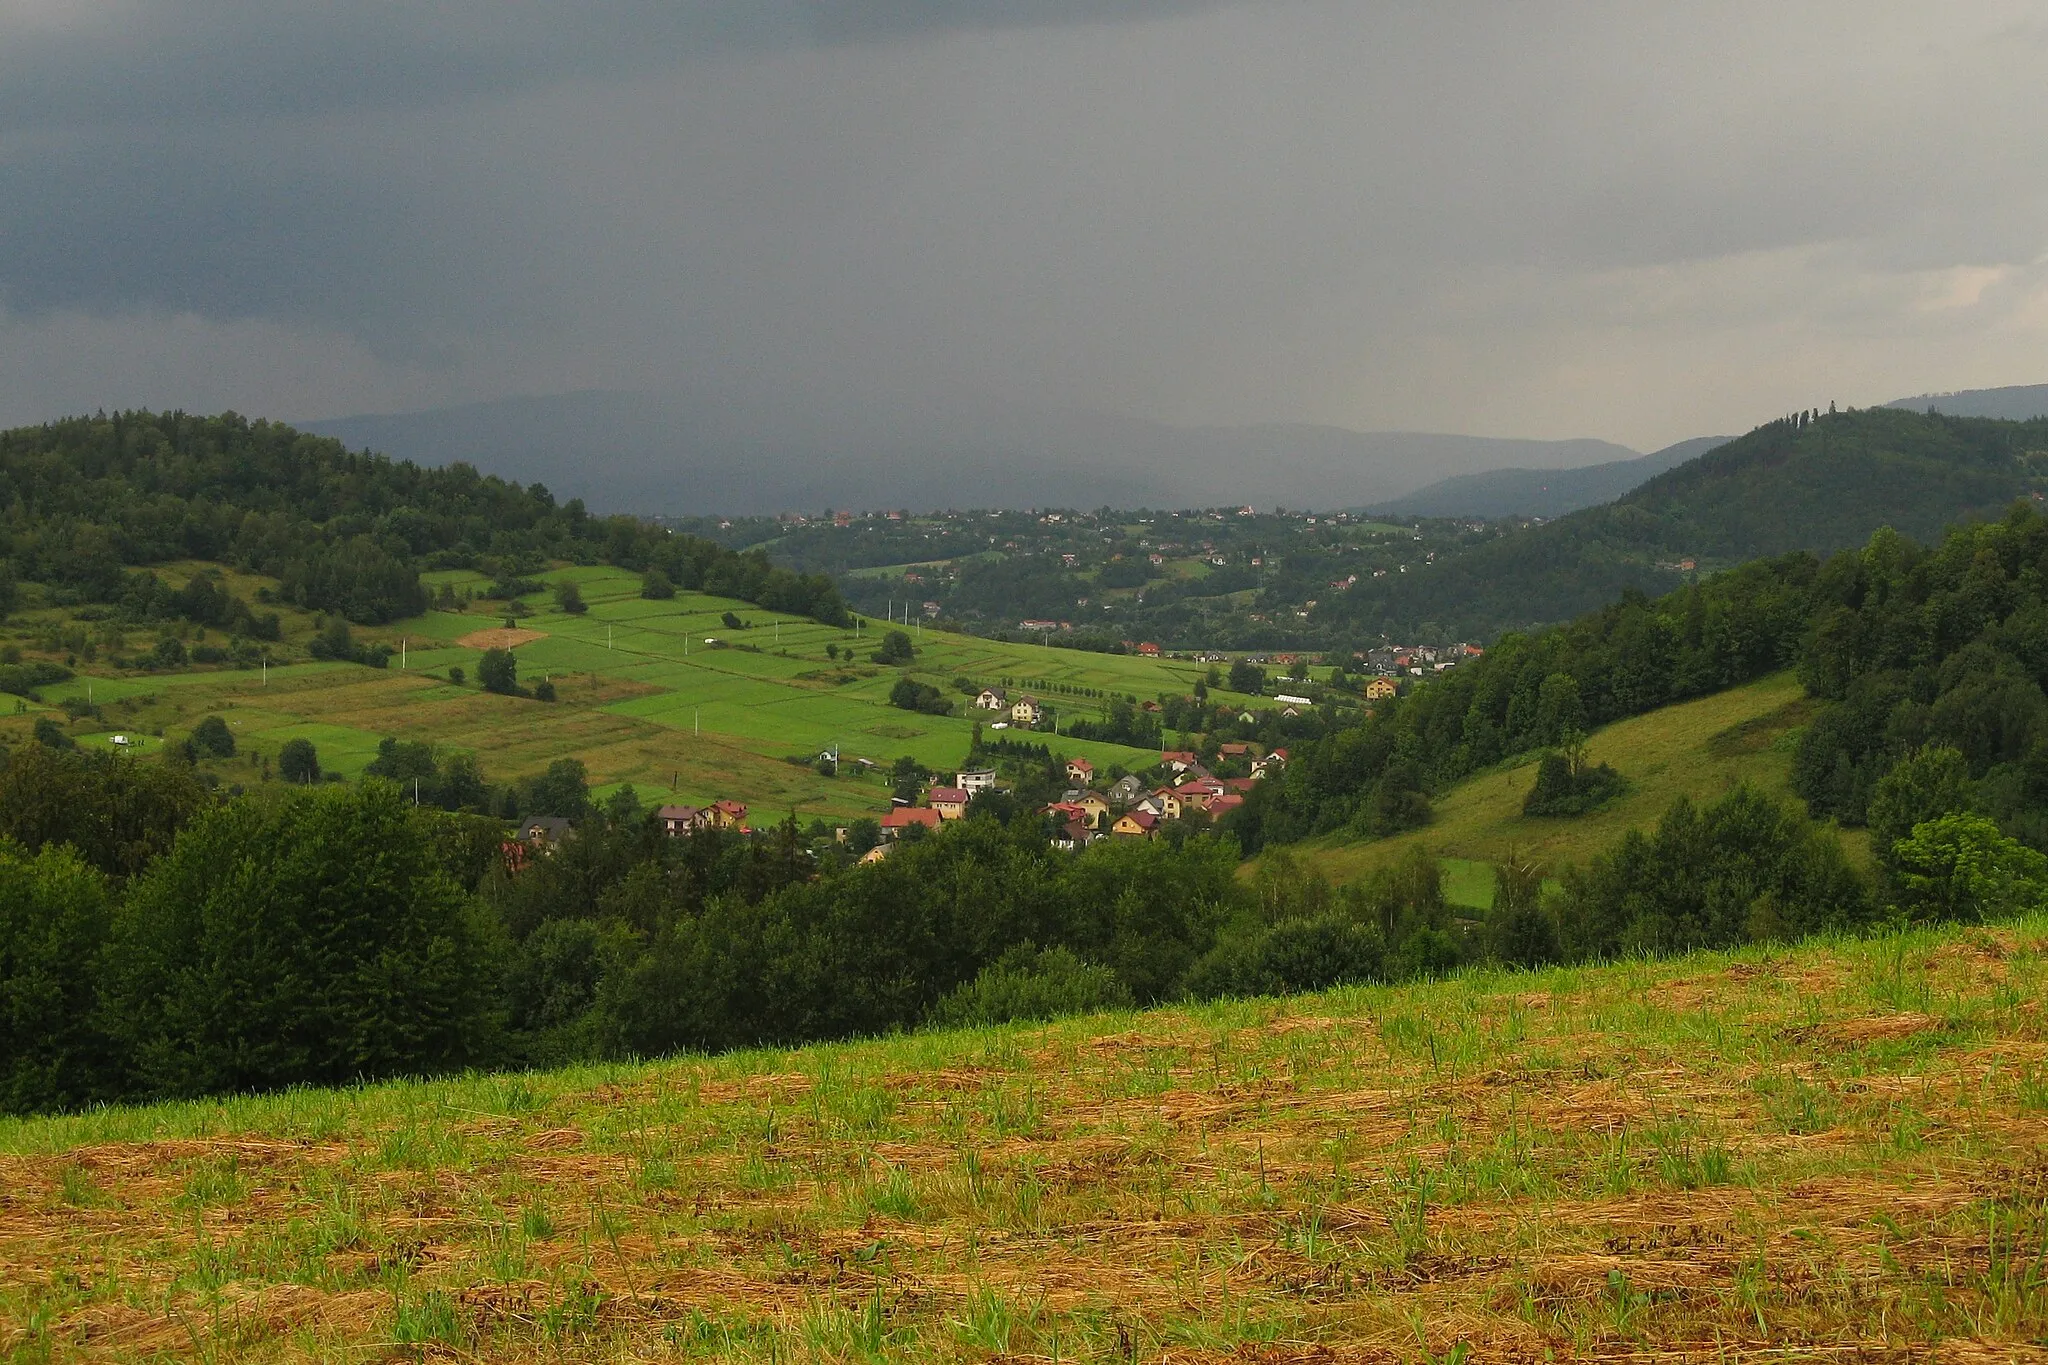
1379	689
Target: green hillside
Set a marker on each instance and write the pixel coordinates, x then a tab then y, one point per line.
1829	1151
1698	749
642	698
1819	484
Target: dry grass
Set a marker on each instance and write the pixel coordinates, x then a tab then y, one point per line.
1833	1152
500	638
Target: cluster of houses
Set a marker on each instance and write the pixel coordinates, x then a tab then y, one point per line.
545	833
1026	710
1128	808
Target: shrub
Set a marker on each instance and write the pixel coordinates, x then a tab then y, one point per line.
498	671
656	586
56	916
544	690
569	598
1025	983
312	940
212	738
298	761
896	649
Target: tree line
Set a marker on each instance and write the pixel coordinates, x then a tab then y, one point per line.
82	500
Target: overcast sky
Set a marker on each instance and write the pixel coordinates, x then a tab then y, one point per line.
1638	222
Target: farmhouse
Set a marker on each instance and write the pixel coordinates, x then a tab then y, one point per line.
1094	810
1080	772
1379	689
1137	824
992	699
903	817
1027	711
545	831
975	781
949	802
677	821
728	815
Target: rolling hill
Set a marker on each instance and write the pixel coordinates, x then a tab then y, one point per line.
1696	749
1718	1156
644	698
1816	485
1541	492
2016	403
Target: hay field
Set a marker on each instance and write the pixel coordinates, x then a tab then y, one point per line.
1698	749
1830	1152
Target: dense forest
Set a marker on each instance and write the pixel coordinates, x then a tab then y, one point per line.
83	501
1819	482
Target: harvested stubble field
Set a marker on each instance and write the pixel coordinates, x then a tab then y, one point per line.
1828	1152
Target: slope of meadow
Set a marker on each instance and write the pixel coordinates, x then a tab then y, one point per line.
642	697
1829	1151
1698	749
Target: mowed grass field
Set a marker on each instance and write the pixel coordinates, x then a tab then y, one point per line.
1698	749
1828	1152
642	698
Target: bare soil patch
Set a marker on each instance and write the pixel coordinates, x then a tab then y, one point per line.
500	638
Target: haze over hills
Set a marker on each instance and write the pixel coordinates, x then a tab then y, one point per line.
1542	492
641	452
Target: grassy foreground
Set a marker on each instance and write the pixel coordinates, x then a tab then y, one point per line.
1826	1152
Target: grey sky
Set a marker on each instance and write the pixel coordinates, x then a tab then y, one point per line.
1625	221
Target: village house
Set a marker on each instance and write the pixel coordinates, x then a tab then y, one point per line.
949	802
901	818
975	781
1149	650
1137	824
1081	772
726	814
1125	791
1379	689
992	699
1094	810
1027	711
877	853
677	821
545	831
1177	760
1220	806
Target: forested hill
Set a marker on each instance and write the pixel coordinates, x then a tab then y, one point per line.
85	501
1817	481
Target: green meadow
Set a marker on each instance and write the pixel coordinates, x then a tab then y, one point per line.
659	694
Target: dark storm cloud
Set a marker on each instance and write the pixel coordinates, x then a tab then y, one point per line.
174	59
1511	219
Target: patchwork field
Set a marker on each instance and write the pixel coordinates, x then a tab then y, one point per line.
1832	1152
1698	749
661	694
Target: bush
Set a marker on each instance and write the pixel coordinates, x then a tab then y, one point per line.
656	586
298	761
569	598
896	649
456	675
309	940
54	916
1025	983
1296	955
211	738
51	735
1567	785
1246	676
544	690
498	671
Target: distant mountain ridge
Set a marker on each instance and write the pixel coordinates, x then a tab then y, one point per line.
638	452
1818	485
1542	492
2015	403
